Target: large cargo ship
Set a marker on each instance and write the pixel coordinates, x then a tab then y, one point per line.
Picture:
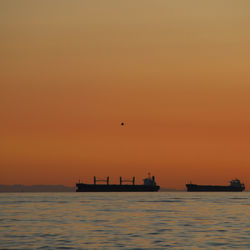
235	186
149	185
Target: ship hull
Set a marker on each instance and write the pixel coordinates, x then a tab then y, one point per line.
80	187
207	188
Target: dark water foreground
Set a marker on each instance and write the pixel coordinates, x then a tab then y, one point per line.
162	220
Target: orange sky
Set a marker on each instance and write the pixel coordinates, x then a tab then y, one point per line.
176	71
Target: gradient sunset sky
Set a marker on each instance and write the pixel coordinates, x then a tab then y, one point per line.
177	72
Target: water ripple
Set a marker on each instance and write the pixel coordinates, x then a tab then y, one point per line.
124	220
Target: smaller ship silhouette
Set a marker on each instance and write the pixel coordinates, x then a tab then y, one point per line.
149	185
235	186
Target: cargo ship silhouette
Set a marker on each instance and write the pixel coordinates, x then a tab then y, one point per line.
235	186
149	185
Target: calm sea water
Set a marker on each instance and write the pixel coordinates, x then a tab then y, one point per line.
161	220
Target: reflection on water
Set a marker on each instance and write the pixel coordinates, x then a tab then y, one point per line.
128	220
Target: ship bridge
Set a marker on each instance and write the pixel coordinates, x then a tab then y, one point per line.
149	181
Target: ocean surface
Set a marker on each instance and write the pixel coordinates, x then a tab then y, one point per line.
163	220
